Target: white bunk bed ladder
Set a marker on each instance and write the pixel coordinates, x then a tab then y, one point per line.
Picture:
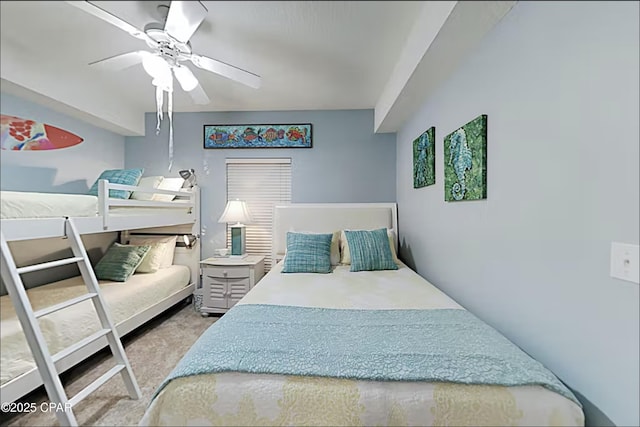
29	321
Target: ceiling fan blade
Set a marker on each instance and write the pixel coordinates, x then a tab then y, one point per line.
120	62
226	70
112	19
199	96
184	18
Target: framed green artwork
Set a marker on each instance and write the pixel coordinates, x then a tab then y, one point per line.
424	159
465	162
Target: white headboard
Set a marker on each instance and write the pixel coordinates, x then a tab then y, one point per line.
330	217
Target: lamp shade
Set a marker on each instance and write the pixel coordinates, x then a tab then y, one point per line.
154	65
159	69
185	77
236	211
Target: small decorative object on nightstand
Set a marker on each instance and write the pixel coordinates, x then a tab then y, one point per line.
226	280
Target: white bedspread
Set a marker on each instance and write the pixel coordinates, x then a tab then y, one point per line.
67	326
372	290
252	399
18	204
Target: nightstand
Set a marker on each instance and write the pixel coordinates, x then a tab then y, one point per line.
226	280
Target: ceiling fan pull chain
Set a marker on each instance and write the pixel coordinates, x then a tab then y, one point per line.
170	114
159	100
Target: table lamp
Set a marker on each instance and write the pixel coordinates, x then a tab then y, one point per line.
236	212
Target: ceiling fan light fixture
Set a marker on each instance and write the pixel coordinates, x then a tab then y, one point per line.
185	77
155	66
159	70
170	45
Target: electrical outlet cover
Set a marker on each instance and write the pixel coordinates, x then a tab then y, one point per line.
625	262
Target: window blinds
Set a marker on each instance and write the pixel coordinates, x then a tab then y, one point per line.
262	184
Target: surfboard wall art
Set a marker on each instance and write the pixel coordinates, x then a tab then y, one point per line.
22	134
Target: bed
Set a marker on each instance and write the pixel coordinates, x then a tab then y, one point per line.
127	302
256	394
131	303
22	205
26	216
32	215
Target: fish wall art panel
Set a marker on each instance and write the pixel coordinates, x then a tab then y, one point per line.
19	134
258	136
424	159
465	162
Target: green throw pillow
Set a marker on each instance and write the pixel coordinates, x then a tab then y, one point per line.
370	250
308	253
120	261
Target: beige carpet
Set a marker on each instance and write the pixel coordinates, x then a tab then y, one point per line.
153	351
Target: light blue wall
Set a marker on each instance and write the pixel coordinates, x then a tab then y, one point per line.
559	83
348	162
68	170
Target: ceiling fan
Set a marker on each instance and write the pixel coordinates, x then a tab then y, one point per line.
170	48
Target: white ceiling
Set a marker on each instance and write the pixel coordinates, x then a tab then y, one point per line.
310	54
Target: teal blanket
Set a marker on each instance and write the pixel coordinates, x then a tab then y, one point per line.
378	345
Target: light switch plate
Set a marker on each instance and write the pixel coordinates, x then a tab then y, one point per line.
624	261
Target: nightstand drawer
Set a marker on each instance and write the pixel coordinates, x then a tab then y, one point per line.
231	282
226	272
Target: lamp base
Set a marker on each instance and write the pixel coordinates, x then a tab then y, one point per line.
238	248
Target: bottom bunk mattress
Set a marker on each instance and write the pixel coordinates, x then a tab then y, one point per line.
270	329
65	327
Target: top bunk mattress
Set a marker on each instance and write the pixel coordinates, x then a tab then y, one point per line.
24	205
18	204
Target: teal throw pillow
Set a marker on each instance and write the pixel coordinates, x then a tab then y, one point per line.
120	261
118	176
308	253
370	250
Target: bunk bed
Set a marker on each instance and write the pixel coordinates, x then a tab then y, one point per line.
27	216
23	217
381	347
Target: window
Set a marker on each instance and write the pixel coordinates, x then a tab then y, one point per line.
262	184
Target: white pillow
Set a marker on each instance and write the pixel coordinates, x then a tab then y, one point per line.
345	257
152	260
166	247
147	182
173	184
335	244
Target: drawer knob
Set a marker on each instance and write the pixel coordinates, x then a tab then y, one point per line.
224	272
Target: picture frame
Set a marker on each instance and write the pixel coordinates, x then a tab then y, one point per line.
424	159
465	162
258	136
